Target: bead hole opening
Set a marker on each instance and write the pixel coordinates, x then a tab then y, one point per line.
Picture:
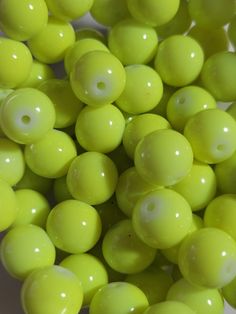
101	85
26	119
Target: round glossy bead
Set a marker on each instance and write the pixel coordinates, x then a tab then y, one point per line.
124	251
52	155
199	186
179	24
152	12
50	290
218	74
67	105
221	213
211	14
81	227
33	208
26	21
169	307
211	134
211	41
98	78
109	12
12	163
69	10
225	175
50	45
26	248
31	180
129	36
140	126
155	283
8	205
162	218
90	271
131	299
143	89
81	47
26	115
163	157
172	53
212	263
15	63
200	300
92	178
185	102
39	73
100	129
130	187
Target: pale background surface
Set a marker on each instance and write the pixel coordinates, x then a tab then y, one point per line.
9	287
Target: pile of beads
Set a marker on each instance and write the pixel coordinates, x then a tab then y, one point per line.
117	175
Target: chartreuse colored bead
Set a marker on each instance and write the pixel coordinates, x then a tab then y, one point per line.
124	251
15	63
172	53
51	43
52	289
129	36
74	226
98	78
210	14
100	129
33	208
26	248
153	281
216	247
67	105
185	102
211	41
143	89
12	163
179	24
26	115
221	213
200	300
92	178
81	47
31	180
211	134
131	299
90	271
140	126
21	20
163	157
199	186
153	12
169	307
52	155
109	12
218	74
130	187
39	73
162	218
8	205
69	10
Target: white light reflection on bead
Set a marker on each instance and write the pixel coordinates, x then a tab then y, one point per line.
102	174
149	84
14	56
192	54
36	250
145	36
226	130
177	153
109	71
60	149
203	181
31	7
209	302
111	123
84	223
33	211
37	109
177	215
90	278
8	160
223	253
132	309
61	34
63	295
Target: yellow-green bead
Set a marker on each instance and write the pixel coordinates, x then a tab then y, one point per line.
92	178
12	164
33	208
26	21
15	63
71	220
8	205
168	307
51	43
52	155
